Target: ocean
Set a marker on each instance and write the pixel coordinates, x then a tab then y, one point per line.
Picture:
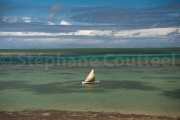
132	80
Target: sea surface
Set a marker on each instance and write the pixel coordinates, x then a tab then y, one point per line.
150	89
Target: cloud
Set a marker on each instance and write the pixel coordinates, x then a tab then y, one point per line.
9	11
153	32
100	26
63	22
2	5
174	33
1	18
14	19
50	23
18	19
26	19
140	33
161	16
82	41
56	7
51	17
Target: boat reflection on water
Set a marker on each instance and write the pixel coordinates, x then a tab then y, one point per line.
89	86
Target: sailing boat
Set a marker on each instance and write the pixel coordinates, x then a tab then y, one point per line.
90	78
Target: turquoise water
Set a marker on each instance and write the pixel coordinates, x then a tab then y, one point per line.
25	58
137	90
20	55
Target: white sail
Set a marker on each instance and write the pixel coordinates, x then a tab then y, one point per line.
90	77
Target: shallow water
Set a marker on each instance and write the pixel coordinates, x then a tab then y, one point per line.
138	90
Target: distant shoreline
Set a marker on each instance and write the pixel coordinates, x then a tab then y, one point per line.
94	51
64	115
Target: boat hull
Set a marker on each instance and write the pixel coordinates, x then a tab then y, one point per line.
83	82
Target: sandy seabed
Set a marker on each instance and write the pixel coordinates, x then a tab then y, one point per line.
71	115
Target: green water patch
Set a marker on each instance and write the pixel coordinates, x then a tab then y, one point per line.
166	71
165	78
49	88
4	73
14	85
56	88
135	71
172	81
75	86
66	73
120	89
126	84
170	78
25	72
67	78
172	94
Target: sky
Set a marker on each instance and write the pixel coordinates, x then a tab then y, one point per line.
89	23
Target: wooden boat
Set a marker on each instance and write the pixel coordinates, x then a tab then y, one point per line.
90	78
